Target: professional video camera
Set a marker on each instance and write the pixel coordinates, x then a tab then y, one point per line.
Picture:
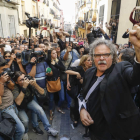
97	32
32	21
28	54
8	71
18	55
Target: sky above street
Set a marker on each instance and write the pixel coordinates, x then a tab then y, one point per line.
68	7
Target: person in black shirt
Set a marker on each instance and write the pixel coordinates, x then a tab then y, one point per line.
105	102
56	66
17	63
79	71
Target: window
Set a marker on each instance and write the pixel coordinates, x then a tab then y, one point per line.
137	12
12	25
1	31
101	15
115	12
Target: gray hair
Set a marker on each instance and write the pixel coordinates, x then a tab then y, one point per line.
108	43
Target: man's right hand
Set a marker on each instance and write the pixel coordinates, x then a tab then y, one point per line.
33	59
26	82
86	118
4	78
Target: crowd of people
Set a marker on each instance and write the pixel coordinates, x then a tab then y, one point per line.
96	78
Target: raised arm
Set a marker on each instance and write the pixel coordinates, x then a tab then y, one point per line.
131	17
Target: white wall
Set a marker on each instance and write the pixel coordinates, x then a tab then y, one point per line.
4	11
124	22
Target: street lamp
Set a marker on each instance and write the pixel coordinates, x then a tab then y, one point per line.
89	4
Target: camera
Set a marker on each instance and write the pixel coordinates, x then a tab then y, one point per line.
28	54
29	77
8	71
18	55
32	21
97	33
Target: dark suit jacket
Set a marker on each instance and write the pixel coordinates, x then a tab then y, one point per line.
117	105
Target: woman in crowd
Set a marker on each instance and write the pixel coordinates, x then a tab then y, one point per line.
79	71
56	66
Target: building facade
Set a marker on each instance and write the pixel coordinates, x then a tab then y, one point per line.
9	21
85	12
67	27
47	11
120	11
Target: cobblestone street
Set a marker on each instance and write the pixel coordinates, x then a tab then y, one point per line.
62	123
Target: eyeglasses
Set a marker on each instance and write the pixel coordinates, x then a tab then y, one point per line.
105	55
7	56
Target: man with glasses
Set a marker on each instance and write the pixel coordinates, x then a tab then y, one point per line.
105	102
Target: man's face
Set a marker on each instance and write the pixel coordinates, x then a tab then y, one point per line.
42	46
126	46
22	47
26	47
20	80
17	42
102	58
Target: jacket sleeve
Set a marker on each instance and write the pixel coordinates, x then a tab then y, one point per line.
106	37
48	59
131	19
60	66
132	73
125	35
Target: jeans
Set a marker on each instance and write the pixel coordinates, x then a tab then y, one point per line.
12	110
67	96
51	96
37	109
61	95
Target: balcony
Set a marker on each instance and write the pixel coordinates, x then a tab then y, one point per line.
81	24
55	5
52	12
16	2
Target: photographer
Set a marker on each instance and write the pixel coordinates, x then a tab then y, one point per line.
23	95
17	63
91	36
37	69
7	104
